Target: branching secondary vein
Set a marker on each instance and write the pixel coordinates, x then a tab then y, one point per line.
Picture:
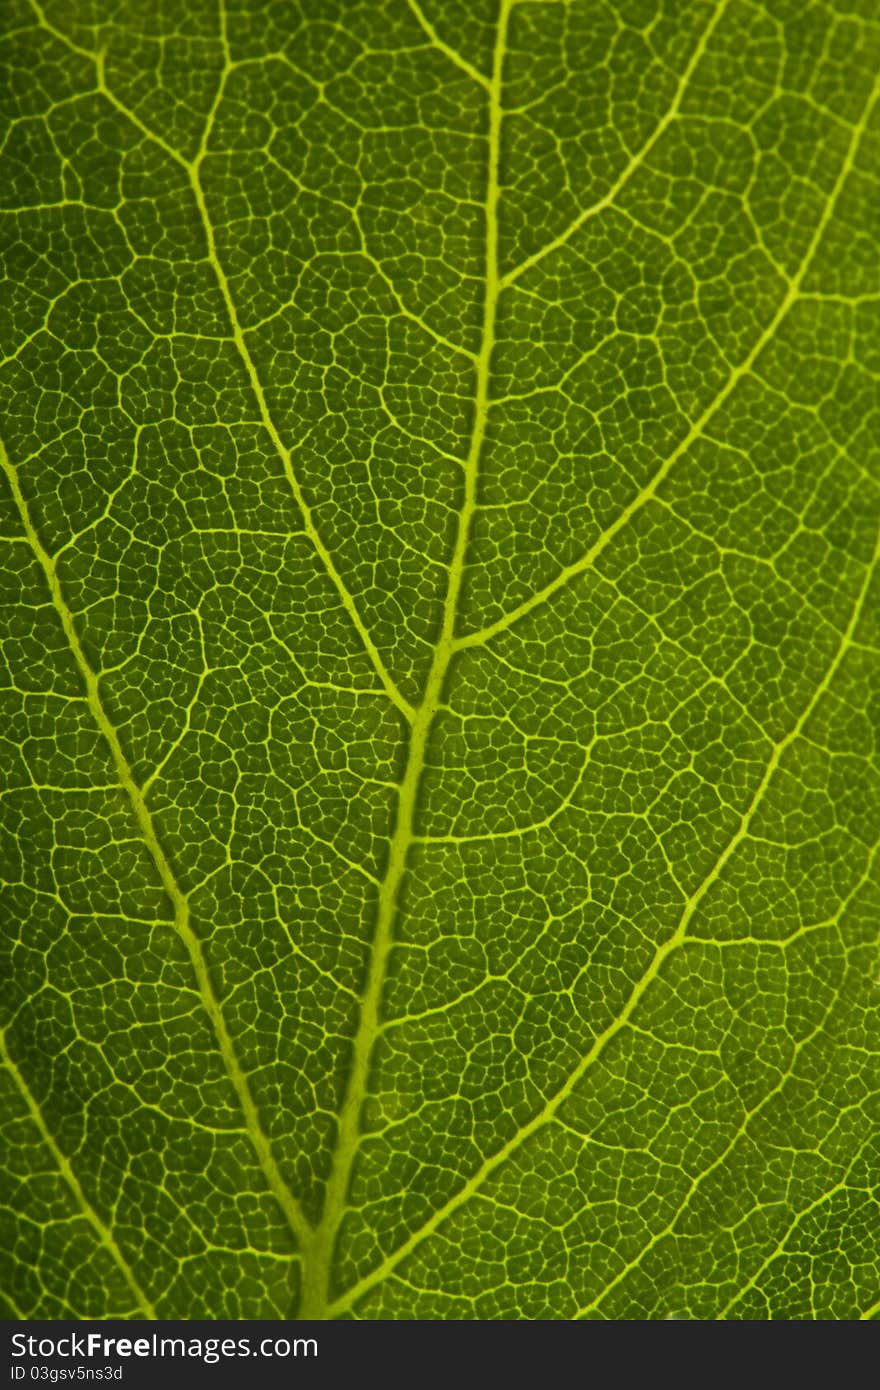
698	427
319	1254
178	899
193	169
104	1233
655	965
677	938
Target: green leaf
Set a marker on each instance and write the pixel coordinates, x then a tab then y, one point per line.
441	497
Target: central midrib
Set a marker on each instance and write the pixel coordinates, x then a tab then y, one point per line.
319	1251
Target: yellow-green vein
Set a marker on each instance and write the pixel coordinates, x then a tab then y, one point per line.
193	171
655	965
632	165
698	428
679	935
104	1233
177	898
319	1255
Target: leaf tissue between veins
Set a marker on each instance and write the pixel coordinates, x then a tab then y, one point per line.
439	630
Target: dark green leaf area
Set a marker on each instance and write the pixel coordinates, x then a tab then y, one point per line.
439	695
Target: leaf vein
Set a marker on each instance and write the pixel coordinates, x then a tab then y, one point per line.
177	898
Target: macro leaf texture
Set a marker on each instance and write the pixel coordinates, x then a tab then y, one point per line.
440	625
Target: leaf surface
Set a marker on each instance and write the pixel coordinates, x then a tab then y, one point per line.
440	689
